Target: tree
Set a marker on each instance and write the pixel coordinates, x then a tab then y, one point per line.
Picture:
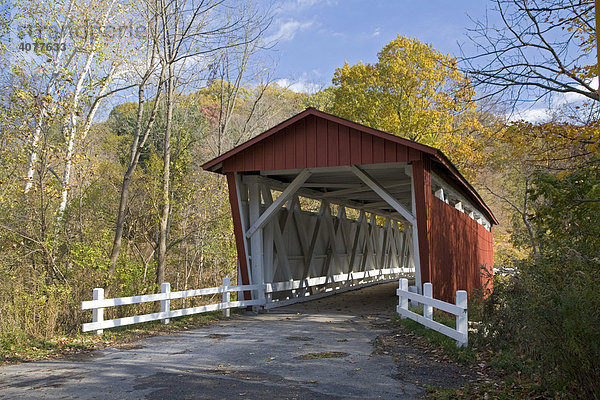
143	127
547	174
187	33
323	99
538	48
73	75
415	92
412	91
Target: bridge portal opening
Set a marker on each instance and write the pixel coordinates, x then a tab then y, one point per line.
322	205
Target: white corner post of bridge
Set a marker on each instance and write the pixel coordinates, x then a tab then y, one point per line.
460	334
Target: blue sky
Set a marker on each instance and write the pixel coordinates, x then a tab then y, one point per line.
316	37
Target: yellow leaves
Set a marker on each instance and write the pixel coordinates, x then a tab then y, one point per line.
412	91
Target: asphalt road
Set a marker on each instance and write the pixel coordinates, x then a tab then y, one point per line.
276	355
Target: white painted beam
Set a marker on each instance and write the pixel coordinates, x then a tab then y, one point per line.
315	235
300	232
268	256
466	206
356	242
459	206
440	194
316	195
360	188
377	188
328	185
384	203
332	230
280	247
344	192
415	237
285	195
242	197
256	242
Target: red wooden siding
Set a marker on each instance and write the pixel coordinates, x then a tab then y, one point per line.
238	232
316	142
422	181
459	246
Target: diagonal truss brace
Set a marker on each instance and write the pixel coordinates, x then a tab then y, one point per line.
276	205
383	193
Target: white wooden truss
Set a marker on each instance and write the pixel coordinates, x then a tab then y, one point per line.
300	254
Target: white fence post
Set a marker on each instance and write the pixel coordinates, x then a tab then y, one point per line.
226	296
460	334
428	292
403	300
413	303
165	305
462	321
98	313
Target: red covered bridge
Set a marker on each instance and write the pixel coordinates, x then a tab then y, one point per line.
321	204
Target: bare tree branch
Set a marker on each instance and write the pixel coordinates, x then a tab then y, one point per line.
540	48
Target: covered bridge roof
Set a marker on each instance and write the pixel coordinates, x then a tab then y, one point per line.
315	139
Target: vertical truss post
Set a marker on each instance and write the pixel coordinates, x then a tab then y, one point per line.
256	242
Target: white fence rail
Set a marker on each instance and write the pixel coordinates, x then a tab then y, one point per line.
460	334
99	303
300	291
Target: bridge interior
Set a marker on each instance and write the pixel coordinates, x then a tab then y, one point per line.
319	231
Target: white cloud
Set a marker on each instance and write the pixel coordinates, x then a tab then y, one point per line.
295	6
377	32
569	98
288	30
543	114
531	115
299	86
306	3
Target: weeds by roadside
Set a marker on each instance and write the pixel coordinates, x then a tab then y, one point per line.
498	375
18	348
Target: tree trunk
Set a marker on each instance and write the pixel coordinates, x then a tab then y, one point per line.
43	108
71	122
166	204
137	145
66	181
34	145
114	254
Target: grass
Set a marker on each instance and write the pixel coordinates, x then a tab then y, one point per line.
464	355
18	347
499	390
323	354
507	375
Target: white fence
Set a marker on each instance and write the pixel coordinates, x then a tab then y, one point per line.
99	303
460	334
297	291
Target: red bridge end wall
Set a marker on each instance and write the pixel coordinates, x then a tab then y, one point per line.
459	248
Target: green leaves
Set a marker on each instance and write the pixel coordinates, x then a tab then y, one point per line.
567	218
